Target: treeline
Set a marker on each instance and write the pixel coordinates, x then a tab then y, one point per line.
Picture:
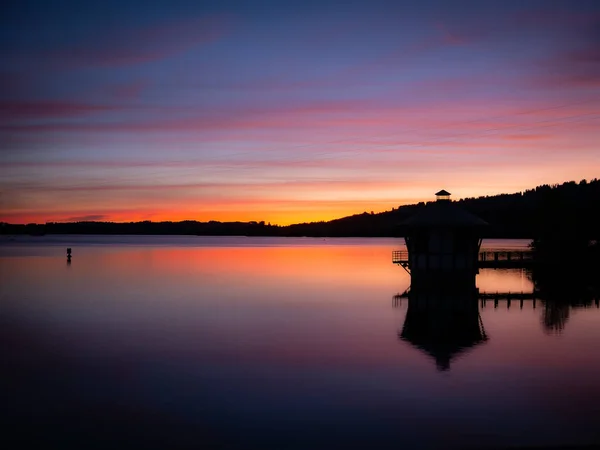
568	208
561	209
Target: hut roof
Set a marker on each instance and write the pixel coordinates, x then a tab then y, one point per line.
444	214
443	192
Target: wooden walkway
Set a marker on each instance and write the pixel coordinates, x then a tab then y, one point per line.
506	298
505	259
487	259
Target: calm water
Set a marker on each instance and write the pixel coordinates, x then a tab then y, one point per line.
275	343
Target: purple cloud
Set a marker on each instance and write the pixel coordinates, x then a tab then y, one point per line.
140	45
86	218
47	109
128	91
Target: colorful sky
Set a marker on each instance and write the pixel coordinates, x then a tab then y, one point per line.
289	111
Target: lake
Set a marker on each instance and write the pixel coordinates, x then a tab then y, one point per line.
287	343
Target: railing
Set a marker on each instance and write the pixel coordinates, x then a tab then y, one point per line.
399	256
511	255
486	256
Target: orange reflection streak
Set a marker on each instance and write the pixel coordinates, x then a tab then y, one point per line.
334	267
324	265
490	280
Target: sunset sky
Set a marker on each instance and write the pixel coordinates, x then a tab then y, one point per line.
289	111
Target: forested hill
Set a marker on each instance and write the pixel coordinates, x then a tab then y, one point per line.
571	205
566	208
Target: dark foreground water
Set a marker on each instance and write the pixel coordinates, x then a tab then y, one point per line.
196	342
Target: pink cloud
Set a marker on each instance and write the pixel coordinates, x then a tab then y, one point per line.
565	81
334	125
454	36
588	55
577	68
302	185
241	118
364	73
575	63
526	137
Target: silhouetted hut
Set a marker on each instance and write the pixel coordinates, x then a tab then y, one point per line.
443	242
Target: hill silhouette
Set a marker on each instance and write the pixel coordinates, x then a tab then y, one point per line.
568	208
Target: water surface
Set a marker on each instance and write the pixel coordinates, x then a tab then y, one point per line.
237	342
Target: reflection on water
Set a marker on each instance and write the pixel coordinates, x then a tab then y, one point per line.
443	322
287	344
563	289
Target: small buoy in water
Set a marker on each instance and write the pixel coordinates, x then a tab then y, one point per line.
69	252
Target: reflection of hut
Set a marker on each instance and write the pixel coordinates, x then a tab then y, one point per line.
443	242
443	322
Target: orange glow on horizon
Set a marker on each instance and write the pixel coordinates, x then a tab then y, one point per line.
315	213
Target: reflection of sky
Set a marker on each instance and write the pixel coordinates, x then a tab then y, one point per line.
289	111
258	344
494	280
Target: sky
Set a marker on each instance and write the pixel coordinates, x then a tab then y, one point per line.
289	111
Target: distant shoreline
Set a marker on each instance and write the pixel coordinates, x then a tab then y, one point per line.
567	209
282	235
